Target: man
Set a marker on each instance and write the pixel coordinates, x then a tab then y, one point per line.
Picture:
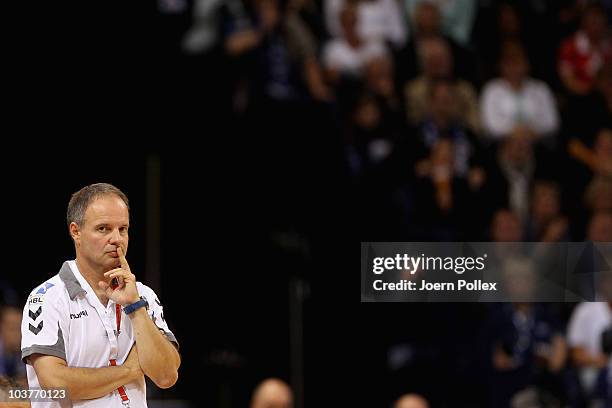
411	401
272	393
92	329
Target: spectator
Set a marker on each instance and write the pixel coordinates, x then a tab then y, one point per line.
457	16
272	393
380	80
442	122
426	23
503	24
582	55
438	64
515	99
285	68
378	20
510	177
588	322
347	56
411	401
370	138
442	197
10	345
527	350
546	223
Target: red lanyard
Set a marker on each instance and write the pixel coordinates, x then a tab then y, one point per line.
113	362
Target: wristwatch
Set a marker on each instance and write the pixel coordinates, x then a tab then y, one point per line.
137	305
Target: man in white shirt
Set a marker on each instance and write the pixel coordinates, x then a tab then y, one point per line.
515	99
347	56
92	329
587	324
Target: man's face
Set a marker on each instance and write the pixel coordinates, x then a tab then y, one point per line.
105	228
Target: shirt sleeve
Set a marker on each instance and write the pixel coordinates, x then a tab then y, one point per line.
41	325
156	313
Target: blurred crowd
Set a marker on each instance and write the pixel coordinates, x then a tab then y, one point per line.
465	120
448	111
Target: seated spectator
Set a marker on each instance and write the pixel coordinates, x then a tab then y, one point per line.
438	64
588	352
442	122
586	116
10	345
515	99
457	17
509	177
272	393
378	20
583	54
284	54
427	23
380	80
443	200
370	139
546	223
348	55
495	27
411	401
527	350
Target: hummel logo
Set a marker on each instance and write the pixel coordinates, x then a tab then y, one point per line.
37	329
78	315
35	315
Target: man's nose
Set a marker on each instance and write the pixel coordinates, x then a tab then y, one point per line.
116	237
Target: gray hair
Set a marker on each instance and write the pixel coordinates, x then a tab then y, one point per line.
84	197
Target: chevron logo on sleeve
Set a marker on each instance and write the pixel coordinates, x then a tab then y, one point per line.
34	315
36	329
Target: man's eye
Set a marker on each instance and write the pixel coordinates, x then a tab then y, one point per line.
101	229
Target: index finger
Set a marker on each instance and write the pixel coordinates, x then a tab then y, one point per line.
122	260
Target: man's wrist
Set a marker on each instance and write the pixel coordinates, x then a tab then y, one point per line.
138	313
138	304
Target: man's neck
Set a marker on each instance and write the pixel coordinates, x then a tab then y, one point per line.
92	276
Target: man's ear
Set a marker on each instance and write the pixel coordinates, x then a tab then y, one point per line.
75	233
